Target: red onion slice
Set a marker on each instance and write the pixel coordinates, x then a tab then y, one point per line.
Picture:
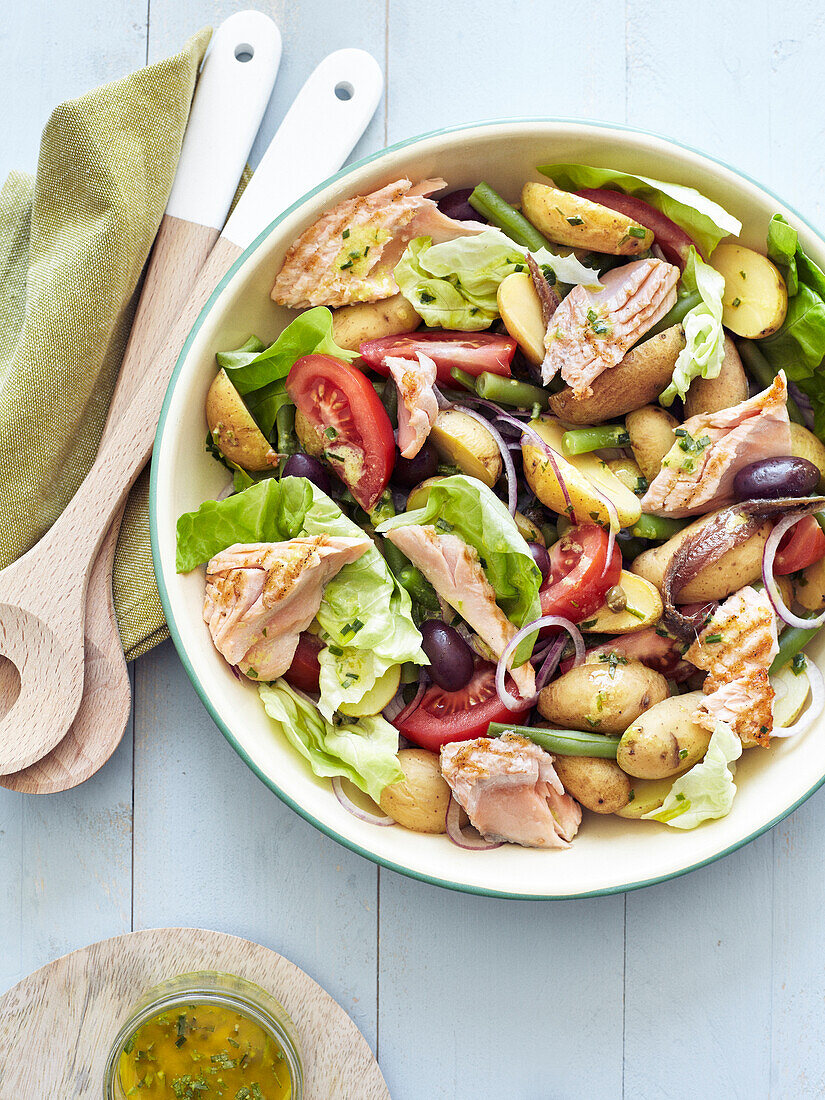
395	706
457	835
506	457
814	708
515	702
771	585
413	703
550	663
356	811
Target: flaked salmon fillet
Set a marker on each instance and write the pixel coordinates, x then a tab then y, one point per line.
697	472
455	571
591	330
349	254
736	648
417	406
510	791
260	596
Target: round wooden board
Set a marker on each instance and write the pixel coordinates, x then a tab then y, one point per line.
57	1025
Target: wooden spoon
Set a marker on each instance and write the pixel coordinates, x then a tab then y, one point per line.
41	631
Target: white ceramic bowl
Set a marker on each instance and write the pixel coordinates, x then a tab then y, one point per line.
609	854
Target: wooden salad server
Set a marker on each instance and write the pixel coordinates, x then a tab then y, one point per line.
41	624
233	90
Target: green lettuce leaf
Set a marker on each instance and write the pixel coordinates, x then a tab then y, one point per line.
704	349
707	791
453	285
363	609
703	220
364	751
466	506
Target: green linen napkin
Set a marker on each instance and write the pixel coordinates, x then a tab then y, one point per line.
73	244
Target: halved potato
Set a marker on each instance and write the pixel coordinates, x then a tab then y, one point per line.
307	436
565	218
805	444
520	309
792	691
651	437
644	608
352	325
586	477
528	530
233	428
756	299
809	586
629	473
647	795
467	444
707	395
381	692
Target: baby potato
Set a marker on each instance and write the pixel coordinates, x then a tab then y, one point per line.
599	785
647	795
565	218
755	300
651	437
805	444
707	395
643	608
637	380
605	697
664	740
528	530
467	444
353	325
233	429
628	471
737	567
811	593
307	436
585	476
520	309
419	800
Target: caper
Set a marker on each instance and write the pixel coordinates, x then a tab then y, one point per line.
616	598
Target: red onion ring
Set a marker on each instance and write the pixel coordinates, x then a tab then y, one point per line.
513	702
771	584
506	457
356	811
413	703
814	708
550	662
395	706
459	837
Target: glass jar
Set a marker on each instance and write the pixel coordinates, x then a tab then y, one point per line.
209	987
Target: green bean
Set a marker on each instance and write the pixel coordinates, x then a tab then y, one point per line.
464	379
510	391
384	509
395	559
764	373
389	399
820	519
287	440
500	213
631	548
549	533
655	527
579	441
563	742
677	314
791	641
419	588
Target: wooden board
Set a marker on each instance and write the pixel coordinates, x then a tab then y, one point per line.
57	1026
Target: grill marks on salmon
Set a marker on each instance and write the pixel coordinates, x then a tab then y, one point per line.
260	596
736	648
591	330
348	255
697	472
510	791
455	571
417	406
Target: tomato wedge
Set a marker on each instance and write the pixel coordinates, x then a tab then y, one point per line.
800	547
445	716
671	238
350	421
305	669
473	352
580	574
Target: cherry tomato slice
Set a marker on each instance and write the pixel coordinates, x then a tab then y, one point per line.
580	574
305	669
671	238
800	547
473	352
444	716
350	421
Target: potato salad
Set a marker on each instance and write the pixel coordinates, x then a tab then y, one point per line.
524	521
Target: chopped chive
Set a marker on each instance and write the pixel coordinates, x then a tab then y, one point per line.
345	234
346	265
713	638
575	220
637	231
736	302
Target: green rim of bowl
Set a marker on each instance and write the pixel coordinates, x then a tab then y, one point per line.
164	594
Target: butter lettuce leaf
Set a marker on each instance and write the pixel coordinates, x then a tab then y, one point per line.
704	349
363	750
707	791
702	219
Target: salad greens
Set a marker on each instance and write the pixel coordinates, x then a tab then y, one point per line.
454	285
362	750
704	349
707	791
701	218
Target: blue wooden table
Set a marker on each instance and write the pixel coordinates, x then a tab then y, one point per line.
709	986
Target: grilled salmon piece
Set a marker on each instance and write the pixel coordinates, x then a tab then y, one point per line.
697	472
455	571
348	255
417	406
510	791
260	596
736	648
591	330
